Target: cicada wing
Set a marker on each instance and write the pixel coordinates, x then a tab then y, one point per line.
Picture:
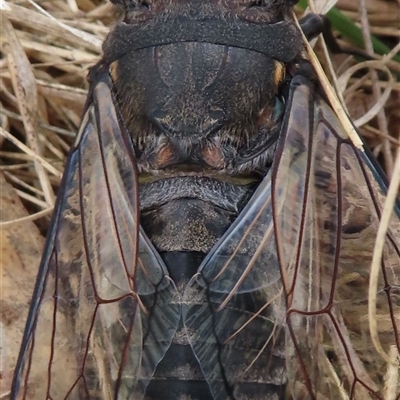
102	315
327	201
234	306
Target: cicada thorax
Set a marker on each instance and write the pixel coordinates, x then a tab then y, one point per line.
197	104
204	118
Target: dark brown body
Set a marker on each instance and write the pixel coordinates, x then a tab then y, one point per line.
184	229
199	112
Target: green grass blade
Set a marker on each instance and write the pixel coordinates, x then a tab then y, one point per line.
352	32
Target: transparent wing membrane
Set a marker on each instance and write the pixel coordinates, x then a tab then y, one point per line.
329	188
95	329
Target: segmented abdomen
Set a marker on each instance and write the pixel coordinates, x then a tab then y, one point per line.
184	227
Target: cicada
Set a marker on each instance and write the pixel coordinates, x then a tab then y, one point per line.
214	230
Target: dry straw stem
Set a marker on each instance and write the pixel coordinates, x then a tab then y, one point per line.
24	86
387	214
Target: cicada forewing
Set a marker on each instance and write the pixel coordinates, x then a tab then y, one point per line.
297	260
103	311
327	201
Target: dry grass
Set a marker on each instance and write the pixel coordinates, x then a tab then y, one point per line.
49	45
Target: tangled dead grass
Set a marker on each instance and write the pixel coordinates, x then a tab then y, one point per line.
48	47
